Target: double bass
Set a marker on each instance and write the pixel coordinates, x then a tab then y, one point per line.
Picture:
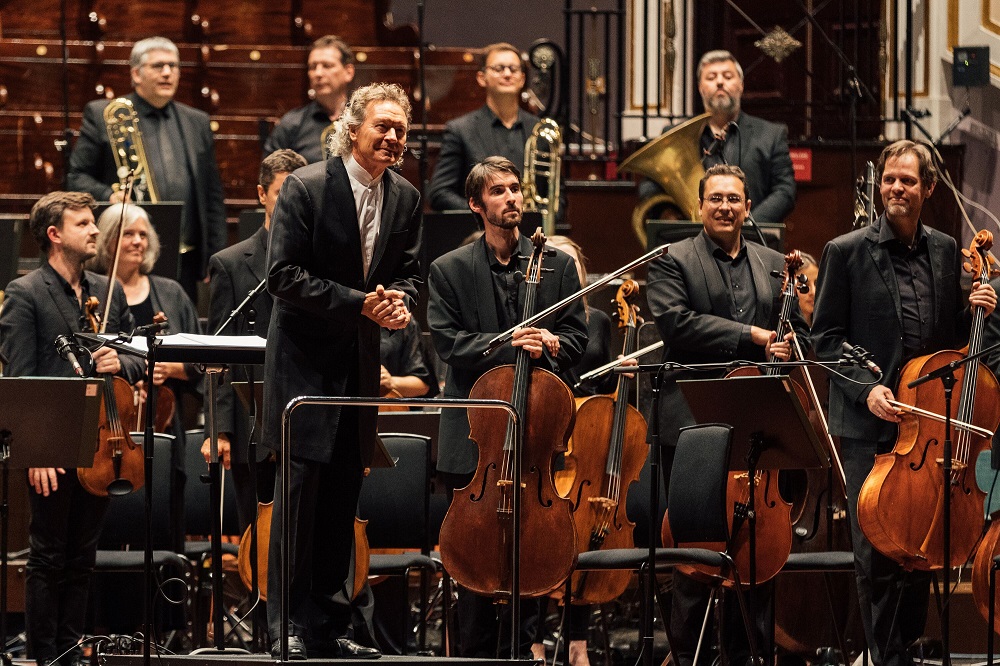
901	505
608	452
773	513
477	532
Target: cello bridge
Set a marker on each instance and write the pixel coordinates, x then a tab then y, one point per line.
504	483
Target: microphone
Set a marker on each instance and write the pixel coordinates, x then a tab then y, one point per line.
65	348
861	357
150	329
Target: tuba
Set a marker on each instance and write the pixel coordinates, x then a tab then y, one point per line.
543	159
672	161
126	145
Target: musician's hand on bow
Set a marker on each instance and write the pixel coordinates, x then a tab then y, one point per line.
780	350
630	363
44	480
106	361
225	450
984	296
530	339
550	341
878	404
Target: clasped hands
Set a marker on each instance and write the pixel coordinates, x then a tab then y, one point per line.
387	308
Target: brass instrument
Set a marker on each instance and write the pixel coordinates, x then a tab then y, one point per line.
543	161
672	161
864	202
122	123
324	139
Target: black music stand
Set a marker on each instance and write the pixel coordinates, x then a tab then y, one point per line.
215	352
770	431
30	437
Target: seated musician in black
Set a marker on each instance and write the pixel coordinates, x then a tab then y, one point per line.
407	372
65	519
474	294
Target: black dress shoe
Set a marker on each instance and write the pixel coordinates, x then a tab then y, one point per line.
296	649
351	650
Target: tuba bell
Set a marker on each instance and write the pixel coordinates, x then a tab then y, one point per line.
543	160
672	161
126	145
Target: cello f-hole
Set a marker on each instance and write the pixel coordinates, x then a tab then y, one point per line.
923	455
540	487
482	489
579	494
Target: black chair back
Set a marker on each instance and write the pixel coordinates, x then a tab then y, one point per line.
197	496
395	500
698	480
124	524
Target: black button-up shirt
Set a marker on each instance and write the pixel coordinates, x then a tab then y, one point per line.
507	279
738	278
914	282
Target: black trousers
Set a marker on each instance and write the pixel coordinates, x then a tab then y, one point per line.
323	503
62	539
881	582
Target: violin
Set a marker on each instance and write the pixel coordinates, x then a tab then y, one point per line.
901	505
607	452
118	463
477	531
773	513
244	558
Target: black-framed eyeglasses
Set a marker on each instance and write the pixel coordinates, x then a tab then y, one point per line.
499	69
732	199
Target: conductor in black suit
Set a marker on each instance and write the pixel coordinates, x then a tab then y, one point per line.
731	136
65	519
342	263
180	149
501	127
715	300
893	289
235	272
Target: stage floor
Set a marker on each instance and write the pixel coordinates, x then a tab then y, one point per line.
209	659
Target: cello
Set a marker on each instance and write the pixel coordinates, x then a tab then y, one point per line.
901	505
478	530
773	513
607	454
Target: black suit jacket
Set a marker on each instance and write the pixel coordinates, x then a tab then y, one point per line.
92	168
235	272
760	148
36	310
691	305
318	342
858	302
462	317
467	141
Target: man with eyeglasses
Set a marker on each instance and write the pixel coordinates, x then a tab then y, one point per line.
715	300
501	127
331	70
179	146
